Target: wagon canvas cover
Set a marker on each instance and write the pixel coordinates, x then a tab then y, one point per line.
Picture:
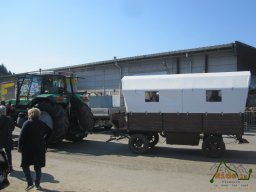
187	93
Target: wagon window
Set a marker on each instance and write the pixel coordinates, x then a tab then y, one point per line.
151	96
213	96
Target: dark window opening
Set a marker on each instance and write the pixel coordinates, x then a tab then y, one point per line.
213	96
151	96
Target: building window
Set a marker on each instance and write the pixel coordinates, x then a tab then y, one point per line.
213	96
151	96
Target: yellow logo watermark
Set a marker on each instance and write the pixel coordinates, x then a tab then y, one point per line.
230	176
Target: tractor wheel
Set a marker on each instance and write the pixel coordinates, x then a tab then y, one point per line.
139	143
213	146
56	118
85	117
153	139
81	121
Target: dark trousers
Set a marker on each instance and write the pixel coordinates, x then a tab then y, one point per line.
27	174
9	156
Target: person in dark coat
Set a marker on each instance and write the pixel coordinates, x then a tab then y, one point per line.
10	112
4	170
6	128
32	145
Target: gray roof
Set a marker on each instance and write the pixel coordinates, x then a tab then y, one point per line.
230	46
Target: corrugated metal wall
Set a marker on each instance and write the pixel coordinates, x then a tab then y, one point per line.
222	63
106	78
98	78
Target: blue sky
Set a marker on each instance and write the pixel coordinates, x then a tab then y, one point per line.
55	33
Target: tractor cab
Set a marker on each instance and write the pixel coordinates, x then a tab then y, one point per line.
52	86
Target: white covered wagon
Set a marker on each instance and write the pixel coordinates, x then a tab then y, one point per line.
183	106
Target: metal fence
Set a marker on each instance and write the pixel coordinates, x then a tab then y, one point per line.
250	120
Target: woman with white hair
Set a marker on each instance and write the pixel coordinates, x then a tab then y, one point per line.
6	128
32	145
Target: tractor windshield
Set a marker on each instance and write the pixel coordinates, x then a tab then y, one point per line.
30	86
54	85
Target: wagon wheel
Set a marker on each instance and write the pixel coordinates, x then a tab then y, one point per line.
139	143
213	146
153	139
162	134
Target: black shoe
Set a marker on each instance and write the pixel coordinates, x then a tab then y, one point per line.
37	184
38	187
29	187
4	184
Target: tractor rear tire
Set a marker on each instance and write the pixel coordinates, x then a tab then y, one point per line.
81	122
85	117
59	118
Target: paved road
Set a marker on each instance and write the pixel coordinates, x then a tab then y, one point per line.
96	166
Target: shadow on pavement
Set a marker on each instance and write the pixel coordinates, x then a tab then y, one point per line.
93	147
47	190
230	156
46	178
100	148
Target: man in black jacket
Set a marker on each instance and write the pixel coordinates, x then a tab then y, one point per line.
6	128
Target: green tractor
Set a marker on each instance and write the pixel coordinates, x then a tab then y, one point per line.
62	110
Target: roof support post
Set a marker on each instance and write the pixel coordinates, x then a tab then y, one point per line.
177	65
206	63
120	75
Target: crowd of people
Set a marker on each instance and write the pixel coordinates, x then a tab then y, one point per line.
32	145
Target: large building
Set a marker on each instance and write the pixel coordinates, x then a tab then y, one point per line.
104	77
